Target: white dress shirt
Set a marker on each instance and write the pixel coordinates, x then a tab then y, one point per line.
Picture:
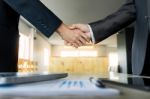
91	34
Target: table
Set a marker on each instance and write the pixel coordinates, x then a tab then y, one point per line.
127	87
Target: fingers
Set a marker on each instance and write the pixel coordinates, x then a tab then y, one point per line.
82	27
75	45
67	43
81	37
71	44
85	37
75	37
77	42
83	41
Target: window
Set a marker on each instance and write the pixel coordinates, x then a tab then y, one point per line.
24	47
113	61
83	53
46	56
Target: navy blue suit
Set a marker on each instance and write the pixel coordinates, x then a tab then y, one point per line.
32	10
132	10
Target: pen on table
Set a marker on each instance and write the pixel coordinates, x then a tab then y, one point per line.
97	82
62	84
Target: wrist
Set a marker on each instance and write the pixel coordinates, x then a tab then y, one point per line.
61	29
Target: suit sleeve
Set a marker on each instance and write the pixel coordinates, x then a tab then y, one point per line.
114	22
37	14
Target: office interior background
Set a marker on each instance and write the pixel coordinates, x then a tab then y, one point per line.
40	54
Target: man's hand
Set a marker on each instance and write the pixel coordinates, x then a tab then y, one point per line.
82	27
74	37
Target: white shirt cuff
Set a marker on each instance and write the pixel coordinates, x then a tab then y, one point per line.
92	34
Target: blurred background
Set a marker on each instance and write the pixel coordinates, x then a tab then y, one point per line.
40	54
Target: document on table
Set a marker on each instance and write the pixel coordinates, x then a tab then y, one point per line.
59	87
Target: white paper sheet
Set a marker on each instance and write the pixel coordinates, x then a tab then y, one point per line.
59	87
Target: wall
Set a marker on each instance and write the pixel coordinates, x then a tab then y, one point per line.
39	45
79	65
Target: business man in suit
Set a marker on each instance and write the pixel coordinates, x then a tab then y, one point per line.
40	16
132	10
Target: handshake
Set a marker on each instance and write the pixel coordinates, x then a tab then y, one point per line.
75	35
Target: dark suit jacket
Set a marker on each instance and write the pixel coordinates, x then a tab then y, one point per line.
10	10
132	10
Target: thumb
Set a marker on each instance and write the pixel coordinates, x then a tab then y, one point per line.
73	26
82	27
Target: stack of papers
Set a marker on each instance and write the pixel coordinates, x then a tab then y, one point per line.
59	87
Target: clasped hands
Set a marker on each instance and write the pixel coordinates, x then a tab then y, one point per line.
75	35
